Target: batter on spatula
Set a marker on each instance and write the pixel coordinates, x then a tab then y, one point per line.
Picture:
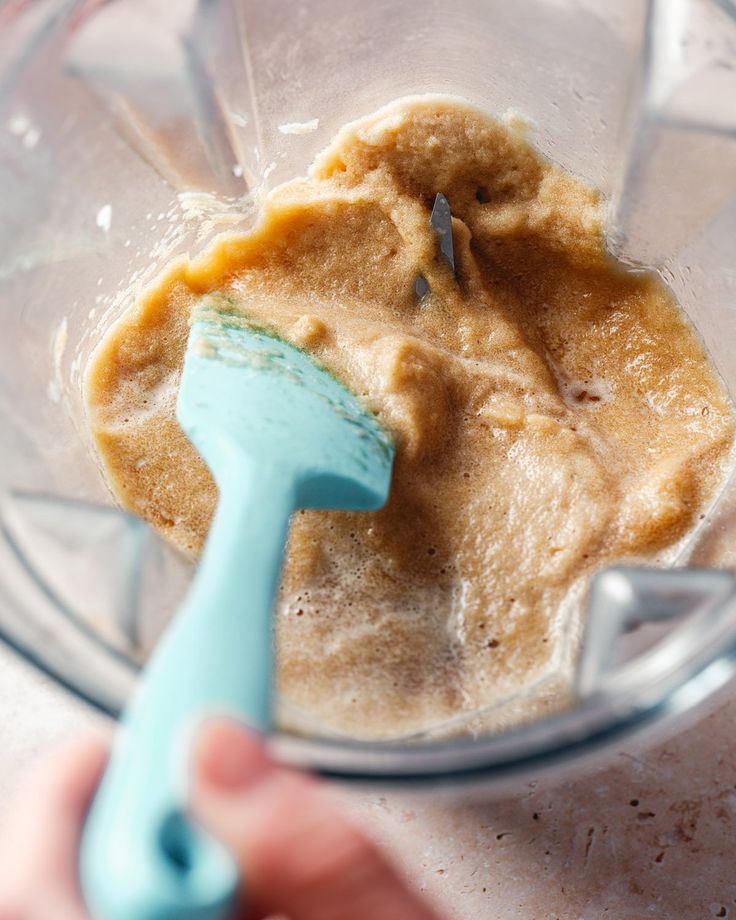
552	413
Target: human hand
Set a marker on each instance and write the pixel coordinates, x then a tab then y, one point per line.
299	856
40	836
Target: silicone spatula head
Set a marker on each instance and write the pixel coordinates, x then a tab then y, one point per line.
243	385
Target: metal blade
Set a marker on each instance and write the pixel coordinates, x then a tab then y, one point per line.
441	223
441	220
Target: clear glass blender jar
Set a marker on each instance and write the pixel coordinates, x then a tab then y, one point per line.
133	131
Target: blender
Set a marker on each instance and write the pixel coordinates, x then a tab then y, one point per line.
133	131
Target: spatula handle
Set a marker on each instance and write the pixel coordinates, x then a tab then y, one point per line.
142	857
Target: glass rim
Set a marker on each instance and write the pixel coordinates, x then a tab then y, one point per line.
631	699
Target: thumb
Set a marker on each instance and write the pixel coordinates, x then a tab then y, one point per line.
298	855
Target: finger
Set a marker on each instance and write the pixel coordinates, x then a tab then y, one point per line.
40	838
297	852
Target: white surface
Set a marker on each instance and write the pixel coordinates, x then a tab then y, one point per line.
34	715
581	851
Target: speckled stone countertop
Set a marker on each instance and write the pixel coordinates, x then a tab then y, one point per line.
648	835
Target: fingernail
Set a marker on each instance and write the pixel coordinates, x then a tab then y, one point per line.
228	756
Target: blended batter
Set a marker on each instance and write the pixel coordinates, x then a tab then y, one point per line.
552	413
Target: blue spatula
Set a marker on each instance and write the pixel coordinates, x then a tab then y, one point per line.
278	433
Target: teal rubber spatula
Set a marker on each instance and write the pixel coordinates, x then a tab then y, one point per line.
278	433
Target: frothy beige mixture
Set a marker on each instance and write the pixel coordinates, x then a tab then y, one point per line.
552	413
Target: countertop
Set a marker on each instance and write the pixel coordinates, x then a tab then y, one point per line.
650	834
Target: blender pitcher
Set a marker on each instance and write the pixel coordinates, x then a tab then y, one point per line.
133	131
